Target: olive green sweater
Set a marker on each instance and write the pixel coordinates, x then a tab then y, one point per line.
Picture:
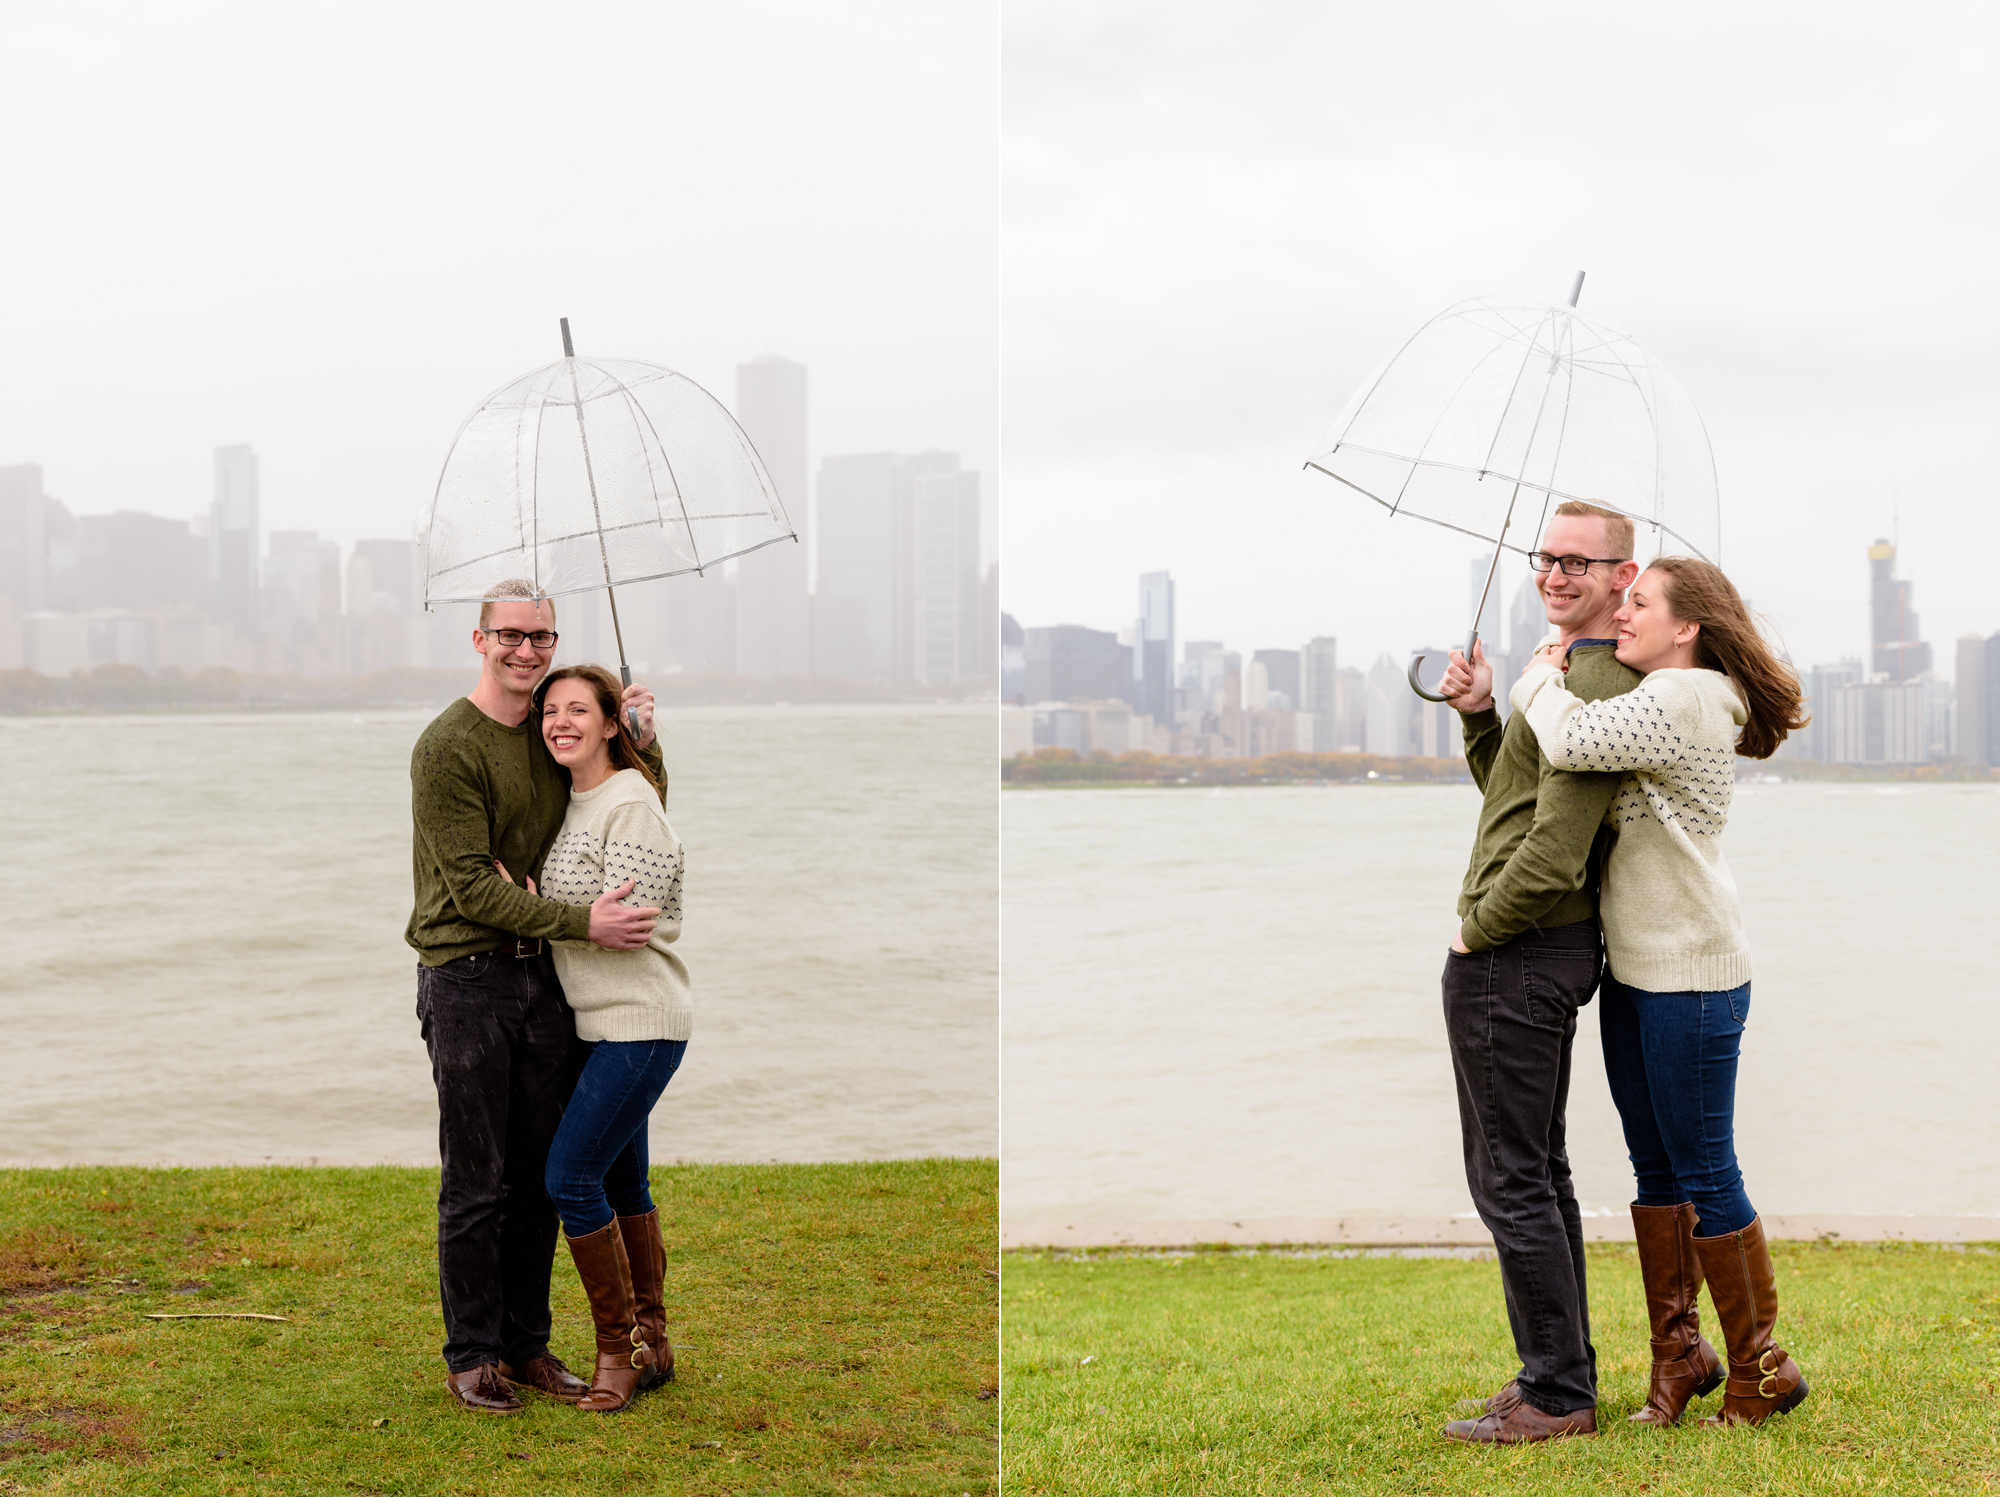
1542	838
480	790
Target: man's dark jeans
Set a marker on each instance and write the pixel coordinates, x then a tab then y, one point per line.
504	1055
1510	1015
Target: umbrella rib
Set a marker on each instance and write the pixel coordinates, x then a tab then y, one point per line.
1427	519
1443	413
672	477
655	576
1383	373
1501	424
578	535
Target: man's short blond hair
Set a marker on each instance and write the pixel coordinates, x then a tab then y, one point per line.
519	587
1617	528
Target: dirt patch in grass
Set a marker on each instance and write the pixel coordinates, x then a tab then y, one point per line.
40	1259
96	1431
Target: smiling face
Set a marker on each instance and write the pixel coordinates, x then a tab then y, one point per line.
519	669
1580	605
1650	638
577	732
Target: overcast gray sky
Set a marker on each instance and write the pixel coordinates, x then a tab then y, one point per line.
329	231
1218	220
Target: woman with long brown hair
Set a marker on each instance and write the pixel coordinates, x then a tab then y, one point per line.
1677	985
634	1012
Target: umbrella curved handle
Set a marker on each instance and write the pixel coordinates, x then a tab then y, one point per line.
1417	685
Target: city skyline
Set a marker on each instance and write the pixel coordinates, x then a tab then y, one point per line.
222	589
1209	250
341	284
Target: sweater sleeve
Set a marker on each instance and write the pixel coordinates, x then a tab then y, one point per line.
638	846
1482	744
449	806
1552	860
1648	727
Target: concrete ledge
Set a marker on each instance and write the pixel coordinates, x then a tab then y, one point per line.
1453	1231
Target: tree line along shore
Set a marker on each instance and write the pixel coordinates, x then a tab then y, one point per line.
1061	768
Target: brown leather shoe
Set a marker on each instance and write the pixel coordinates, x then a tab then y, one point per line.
1511	1420
646	1255
622	1354
546	1374
1763	1379
483	1390
1685	1366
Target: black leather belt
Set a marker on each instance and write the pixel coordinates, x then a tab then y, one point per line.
535	947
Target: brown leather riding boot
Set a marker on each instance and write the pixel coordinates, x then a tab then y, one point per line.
648	1256
1763	1379
1685	1366
622	1356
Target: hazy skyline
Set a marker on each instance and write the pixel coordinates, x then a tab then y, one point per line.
331	234
1216	223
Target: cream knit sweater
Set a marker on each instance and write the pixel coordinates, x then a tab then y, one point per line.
1669	907
615	832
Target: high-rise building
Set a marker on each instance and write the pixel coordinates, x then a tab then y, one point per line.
1973	743
773	601
945	530
1069	663
383	579
132	560
1820	683
1389	715
899	595
1897	654
305	572
233	537
1013	661
24	543
1153	648
1319	692
1281	675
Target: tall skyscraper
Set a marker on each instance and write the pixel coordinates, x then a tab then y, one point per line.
233	537
773	601
24	542
383	579
135	560
945	529
1898	653
1389	715
1974	745
1281	674
899	595
1153	648
1319	692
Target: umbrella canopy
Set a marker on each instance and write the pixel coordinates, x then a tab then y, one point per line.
1497	410
592	473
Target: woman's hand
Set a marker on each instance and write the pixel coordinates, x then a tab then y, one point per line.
1556	654
502	867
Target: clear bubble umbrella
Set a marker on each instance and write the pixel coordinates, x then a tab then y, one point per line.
594	473
1497	410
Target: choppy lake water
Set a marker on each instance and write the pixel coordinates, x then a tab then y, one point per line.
1225	1003
208	963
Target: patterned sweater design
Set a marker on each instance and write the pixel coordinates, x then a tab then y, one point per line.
1672	921
619	831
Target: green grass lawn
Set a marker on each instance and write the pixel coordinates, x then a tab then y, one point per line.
835	1330
1240	1373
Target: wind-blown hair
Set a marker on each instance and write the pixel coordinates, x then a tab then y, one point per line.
1697	592
604	685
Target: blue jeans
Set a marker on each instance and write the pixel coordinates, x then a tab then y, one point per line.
1671	1061
597	1163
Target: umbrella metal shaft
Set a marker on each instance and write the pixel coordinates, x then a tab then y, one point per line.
590	477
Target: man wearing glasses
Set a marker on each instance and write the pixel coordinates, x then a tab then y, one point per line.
1523	960
484	788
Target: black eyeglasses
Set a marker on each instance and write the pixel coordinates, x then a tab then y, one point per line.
541	639
1573	566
